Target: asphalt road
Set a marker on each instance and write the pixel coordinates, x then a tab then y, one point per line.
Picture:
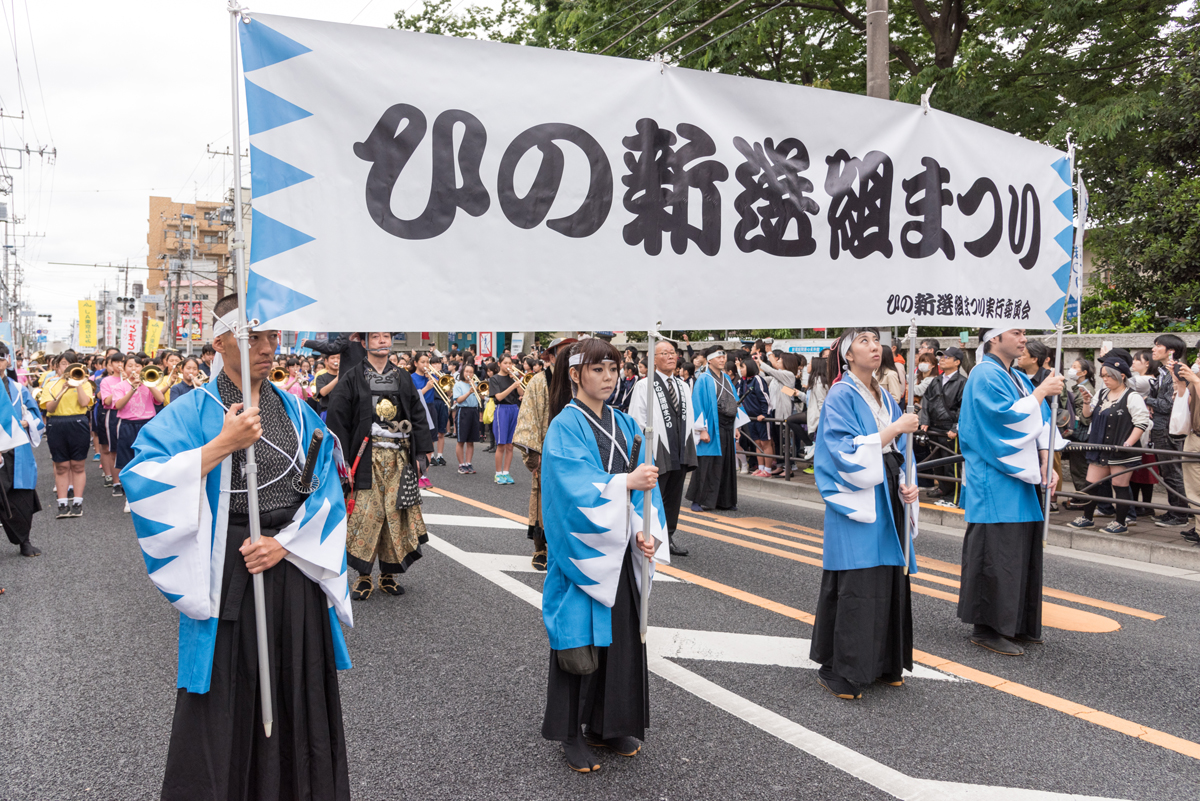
447	691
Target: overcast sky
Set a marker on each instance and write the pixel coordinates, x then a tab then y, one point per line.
131	94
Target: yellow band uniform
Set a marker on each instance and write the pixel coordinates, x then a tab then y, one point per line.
68	404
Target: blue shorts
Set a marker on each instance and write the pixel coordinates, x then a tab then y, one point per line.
504	423
440	415
69	437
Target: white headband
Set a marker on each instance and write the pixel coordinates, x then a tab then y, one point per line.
576	359
714	354
988	336
844	347
226	324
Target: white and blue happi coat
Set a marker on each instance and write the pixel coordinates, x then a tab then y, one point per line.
182	520
704	403
17	406
860	530
590	520
1001	427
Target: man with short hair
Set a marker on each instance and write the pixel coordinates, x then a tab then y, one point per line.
939	411
187	492
207	354
674	432
714	483
327	382
1168	349
928	346
1004	427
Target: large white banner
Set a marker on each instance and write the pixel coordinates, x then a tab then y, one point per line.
131	334
397	178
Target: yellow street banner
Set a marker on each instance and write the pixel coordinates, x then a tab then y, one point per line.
153	334
87	324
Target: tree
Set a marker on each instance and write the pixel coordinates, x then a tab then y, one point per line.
1146	214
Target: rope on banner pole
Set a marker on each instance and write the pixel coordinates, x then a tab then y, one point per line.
239	14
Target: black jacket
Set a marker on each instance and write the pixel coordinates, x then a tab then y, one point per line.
942	402
350	414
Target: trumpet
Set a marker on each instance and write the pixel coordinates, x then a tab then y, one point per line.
151	375
279	375
76	375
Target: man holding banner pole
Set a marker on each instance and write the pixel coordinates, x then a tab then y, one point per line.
1005	431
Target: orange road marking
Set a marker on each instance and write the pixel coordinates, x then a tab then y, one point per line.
1054	616
1159	738
1022	691
480	505
1090	623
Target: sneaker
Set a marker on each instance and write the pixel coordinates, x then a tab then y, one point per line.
1191	536
96	458
1105	511
462	469
108	482
77	508
809	471
118	491
1081	522
1115	528
470	469
499	478
508	479
1171	522
808	453
441	460
424	483
126	507
64	511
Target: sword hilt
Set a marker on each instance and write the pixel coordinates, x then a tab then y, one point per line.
310	462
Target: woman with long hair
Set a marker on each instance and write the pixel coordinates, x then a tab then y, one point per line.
890	376
506	391
598	685
863	627
757	405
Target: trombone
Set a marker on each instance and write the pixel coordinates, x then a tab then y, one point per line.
444	387
76	375
151	375
481	389
521	377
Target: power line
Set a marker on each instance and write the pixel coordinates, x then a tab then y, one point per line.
703	25
731	30
639	25
37	71
642	5
664	26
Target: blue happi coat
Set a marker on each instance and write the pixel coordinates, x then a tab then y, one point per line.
860	531
181	519
1001	427
704	401
590	519
18	405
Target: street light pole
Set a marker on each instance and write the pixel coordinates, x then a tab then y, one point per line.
877	49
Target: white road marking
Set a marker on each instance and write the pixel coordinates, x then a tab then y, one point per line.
862	767
473	520
508	563
749	649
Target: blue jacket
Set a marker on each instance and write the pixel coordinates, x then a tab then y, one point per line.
860	531
25	472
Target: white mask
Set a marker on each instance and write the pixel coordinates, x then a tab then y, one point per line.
804	376
924	367
1072	373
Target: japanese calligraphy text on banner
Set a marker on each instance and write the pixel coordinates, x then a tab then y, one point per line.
131	334
153	335
625	193
87	324
110	328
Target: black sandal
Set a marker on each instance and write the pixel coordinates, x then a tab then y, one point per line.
388	583
539	560
362	588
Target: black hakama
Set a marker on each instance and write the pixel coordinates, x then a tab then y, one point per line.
218	749
714	482
863	629
18	506
1002	578
614	701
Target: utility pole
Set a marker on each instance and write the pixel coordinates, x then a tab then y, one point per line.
877	49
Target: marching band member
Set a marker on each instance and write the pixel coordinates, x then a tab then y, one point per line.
598	685
66	403
425	373
467	429
1004	428
714	484
23	428
674	432
187	490
506	391
532	422
106	417
135	404
863	630
189	379
377	415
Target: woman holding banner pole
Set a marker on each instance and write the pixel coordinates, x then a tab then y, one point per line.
863	630
598	684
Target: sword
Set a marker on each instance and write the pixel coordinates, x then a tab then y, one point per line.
353	470
306	485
